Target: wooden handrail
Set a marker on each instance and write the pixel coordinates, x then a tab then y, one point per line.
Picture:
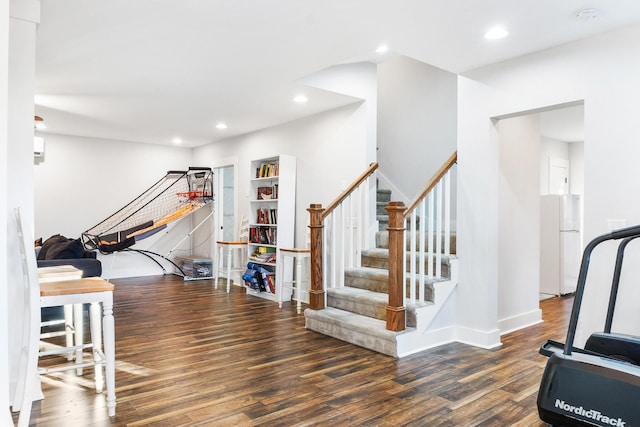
372	167
432	182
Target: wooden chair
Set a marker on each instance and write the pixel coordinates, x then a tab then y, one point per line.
234	251
91	290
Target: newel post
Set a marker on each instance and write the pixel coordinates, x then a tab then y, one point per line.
395	309
316	225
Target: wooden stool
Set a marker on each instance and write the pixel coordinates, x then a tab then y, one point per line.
230	247
91	290
60	273
296	282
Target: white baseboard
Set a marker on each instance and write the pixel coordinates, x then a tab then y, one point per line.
520	321
477	338
434	338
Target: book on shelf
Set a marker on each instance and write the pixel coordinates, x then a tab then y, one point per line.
268	258
267	170
265	193
266	216
271	282
263	235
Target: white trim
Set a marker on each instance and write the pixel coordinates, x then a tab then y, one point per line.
383	182
406	343
477	338
520	321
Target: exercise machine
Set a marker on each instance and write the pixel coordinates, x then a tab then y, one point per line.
598	385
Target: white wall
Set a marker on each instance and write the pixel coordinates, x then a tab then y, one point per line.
576	168
330	149
18	173
82	181
603	72
477	221
5	418
416	123
519	218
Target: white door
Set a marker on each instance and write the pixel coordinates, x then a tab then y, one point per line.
225	204
558	176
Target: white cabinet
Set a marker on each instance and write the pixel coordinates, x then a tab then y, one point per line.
272	216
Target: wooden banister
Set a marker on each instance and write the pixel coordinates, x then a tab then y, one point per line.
395	308
316	293
371	169
432	182
317	215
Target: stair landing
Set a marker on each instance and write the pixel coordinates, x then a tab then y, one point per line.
354	328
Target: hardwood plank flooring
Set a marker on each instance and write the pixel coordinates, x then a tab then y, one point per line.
190	355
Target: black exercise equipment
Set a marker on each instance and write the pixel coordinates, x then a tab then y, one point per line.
600	384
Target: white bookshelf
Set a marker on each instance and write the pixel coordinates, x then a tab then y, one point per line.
272	214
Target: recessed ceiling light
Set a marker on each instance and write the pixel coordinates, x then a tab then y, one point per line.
300	99
382	48
496	33
221	126
587	14
177	141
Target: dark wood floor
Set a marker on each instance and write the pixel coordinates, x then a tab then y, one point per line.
189	355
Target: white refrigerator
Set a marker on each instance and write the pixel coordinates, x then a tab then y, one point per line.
560	243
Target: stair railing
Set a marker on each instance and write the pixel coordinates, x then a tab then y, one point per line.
338	233
427	244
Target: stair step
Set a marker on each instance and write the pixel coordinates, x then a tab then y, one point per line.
373	279
382	240
354	328
380	208
379	258
377	280
383	222
383	195
360	301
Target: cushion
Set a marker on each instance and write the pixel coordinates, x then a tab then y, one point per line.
60	247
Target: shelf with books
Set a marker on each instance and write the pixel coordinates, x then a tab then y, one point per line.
272	214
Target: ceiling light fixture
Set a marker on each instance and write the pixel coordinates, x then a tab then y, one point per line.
382	48
496	33
300	99
221	126
587	14
177	141
39	123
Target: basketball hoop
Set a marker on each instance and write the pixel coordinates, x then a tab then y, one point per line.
190	195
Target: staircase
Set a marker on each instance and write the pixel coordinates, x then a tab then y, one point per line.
356	313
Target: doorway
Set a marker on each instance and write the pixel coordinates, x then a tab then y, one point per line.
225	203
561	242
529	167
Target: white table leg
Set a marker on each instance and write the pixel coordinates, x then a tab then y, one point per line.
279	279
68	328
220	265
108	325
96	340
78	324
297	283
229	258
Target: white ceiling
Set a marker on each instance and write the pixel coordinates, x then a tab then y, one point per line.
564	124
152	70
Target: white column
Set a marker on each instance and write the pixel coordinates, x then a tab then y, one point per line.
17	143
5	417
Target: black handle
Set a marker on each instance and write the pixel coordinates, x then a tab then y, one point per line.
625	232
